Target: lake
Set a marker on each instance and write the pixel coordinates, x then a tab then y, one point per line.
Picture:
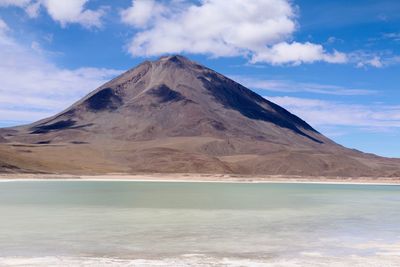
126	223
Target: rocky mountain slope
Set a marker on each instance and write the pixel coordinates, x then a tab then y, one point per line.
174	115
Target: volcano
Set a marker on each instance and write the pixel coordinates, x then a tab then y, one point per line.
174	115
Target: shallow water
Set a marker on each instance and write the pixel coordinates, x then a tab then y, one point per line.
86	223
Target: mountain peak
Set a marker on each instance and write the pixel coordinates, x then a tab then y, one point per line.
174	58
179	97
175	115
177	61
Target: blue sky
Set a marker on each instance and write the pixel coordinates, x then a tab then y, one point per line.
336	64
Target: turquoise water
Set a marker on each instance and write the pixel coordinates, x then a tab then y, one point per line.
72	223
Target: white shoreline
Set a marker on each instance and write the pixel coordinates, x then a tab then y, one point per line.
199	178
204	260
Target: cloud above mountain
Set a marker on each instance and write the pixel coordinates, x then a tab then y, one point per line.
64	12
260	30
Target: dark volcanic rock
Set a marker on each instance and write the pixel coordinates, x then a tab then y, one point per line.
235	96
104	100
56	126
166	94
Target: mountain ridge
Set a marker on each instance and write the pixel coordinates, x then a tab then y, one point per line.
175	115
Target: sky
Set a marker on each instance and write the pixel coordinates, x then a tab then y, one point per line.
336	64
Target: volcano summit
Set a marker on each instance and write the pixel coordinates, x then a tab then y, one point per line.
174	115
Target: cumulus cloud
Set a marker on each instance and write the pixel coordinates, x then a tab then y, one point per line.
297	53
294	87
260	30
331	113
141	12
32	87
64	12
73	11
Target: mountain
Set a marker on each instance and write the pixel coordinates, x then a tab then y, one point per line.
174	115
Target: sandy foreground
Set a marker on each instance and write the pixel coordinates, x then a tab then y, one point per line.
190	177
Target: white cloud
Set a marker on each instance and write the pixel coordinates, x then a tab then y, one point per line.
330	113
33	9
375	62
297	53
20	3
141	12
64	12
292	87
376	59
258	29
73	11
32	87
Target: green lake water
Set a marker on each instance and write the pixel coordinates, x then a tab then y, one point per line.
101	223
